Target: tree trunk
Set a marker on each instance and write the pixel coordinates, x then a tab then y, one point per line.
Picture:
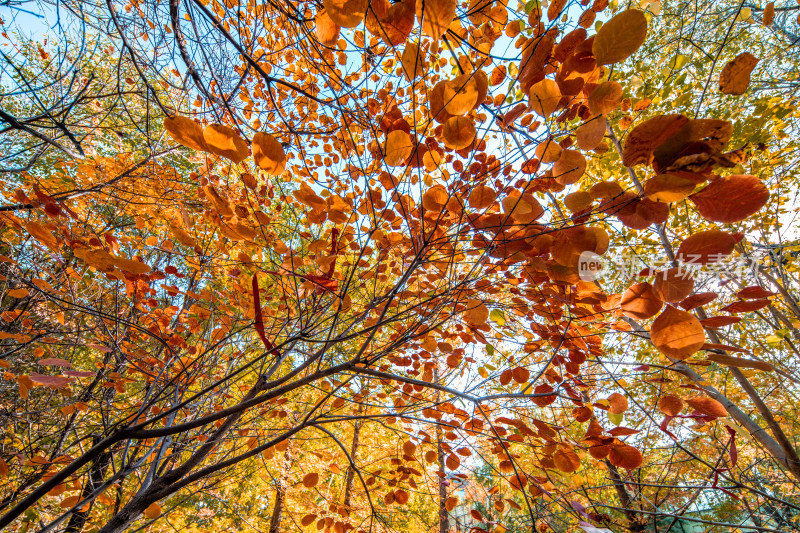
634	523
351	471
277	509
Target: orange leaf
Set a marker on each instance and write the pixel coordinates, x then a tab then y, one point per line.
458	132
268	153
619	403
153	511
544	97
625	456
311	480
435	16
186	131
639	301
398	148
676	333
605	98
670	405
224	141
673	285
566	460
707	247
308	519
707	406
346	13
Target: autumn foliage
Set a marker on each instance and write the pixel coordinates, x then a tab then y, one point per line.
330	266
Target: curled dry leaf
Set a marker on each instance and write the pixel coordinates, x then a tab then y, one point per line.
648	136
735	76
677	334
698	300
620	37
731	199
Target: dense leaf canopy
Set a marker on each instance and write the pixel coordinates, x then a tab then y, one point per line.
399	265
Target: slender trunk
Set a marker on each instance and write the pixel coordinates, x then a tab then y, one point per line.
634	522
96	476
351	471
277	509
444	521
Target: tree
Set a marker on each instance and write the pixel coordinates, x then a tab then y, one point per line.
332	265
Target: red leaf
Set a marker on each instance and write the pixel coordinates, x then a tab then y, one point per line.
745	306
754	292
731	199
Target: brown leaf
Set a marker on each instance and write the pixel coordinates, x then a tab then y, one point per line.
740	362
649	135
566	460
620	37
735	76
310	480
